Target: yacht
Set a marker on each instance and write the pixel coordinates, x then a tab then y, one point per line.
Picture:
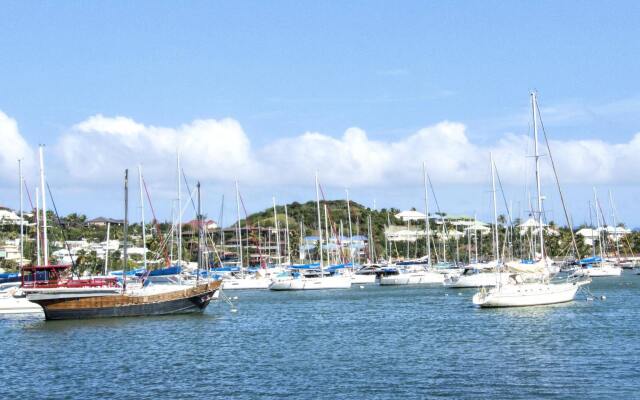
527	289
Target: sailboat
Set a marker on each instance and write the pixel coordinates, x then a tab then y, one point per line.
415	272
61	302
310	279
519	291
597	267
483	274
242	279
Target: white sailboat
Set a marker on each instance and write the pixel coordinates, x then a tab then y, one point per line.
483	274
244	280
415	273
599	267
300	281
518	291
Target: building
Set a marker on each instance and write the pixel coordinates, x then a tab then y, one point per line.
102	221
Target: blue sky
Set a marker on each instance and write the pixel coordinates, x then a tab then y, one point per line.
280	69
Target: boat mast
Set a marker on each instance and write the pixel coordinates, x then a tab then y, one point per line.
496	243
319	223
596	205
106	255
199	235
276	225
350	230
537	160
326	234
144	231
239	227
615	225
21	216
38	250
426	213
45	243
287	238
125	230
179	211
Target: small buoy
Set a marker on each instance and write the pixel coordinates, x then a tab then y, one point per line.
446	294
234	310
361	287
459	294
235	297
603	297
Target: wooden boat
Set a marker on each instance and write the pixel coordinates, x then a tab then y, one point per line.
151	300
63	298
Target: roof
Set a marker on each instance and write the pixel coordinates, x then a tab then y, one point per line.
105	220
410	215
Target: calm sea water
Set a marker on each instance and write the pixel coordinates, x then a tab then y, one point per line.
376	342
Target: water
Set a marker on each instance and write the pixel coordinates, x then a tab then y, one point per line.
376	342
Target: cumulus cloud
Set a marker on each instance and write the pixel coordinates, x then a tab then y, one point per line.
14	147
100	147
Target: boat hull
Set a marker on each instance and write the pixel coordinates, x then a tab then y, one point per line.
599	272
18	305
363	279
247	283
180	301
482	279
528	294
412	278
342	282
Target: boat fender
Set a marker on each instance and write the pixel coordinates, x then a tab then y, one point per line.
603	297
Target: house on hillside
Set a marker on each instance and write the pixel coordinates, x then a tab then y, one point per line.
102	221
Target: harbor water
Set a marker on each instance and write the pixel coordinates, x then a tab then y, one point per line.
363	343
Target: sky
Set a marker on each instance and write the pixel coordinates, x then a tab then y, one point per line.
363	92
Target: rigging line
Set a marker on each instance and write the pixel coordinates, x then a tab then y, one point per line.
189	190
334	228
247	227
157	224
64	236
28	194
555	173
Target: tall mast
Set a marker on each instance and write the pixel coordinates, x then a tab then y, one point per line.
21	217
144	229
38	249
326	233
277	226
106	253
537	159
179	213
199	234
301	242
126	226
616	237
319	223
596	205
496	243
350	230
239	227
426	213
287	239
45	243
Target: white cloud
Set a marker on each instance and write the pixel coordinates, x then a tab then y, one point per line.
14	147
100	147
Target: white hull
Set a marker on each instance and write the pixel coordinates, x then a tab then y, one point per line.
18	305
600	271
301	283
481	279
527	294
362	279
412	278
246	283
